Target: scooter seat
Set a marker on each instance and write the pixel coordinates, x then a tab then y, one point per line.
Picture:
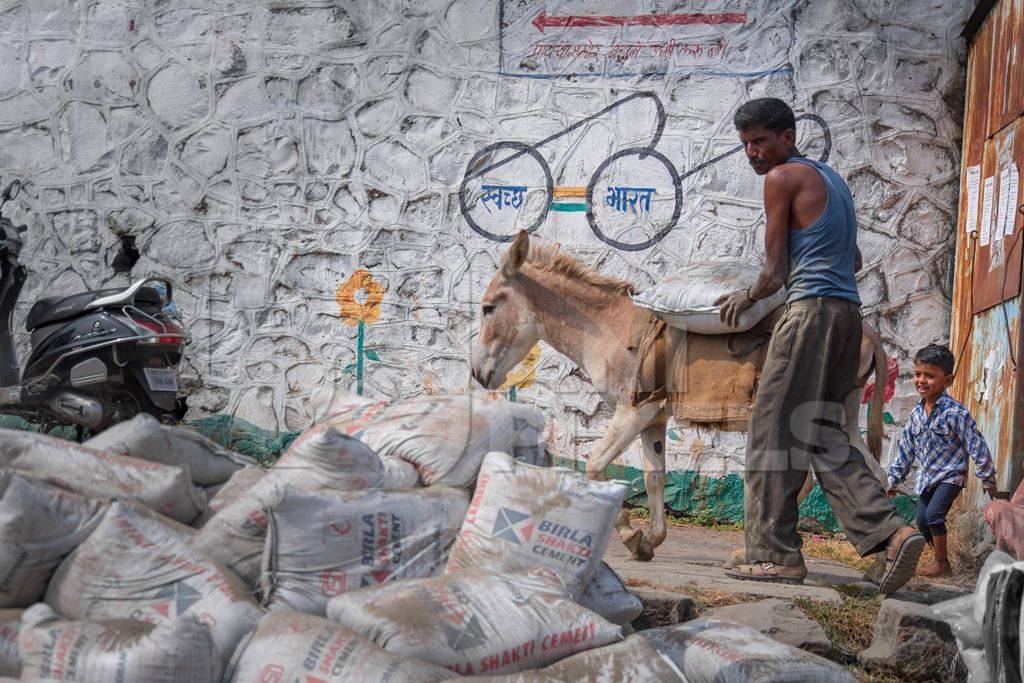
54	309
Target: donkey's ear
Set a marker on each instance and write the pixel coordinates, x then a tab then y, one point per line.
516	254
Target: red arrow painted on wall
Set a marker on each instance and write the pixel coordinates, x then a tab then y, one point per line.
543	21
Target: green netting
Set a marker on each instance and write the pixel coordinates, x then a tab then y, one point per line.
720	499
244	437
688	493
231	432
14	422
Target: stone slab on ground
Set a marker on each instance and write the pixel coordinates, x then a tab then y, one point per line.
778	619
923	593
695	555
661	608
911	640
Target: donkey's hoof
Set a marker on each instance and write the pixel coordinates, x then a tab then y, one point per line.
644	552
632	540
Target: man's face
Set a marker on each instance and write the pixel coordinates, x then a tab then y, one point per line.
766	149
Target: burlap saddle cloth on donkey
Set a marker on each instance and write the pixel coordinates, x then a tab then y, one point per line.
710	379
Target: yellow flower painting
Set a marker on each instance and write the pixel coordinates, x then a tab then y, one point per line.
359	298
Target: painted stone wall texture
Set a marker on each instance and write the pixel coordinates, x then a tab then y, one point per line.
264	152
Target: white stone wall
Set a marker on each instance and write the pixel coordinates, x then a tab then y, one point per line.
262	151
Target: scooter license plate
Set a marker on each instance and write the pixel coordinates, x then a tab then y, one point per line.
161	379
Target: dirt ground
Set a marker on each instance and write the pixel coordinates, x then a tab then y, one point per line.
690	561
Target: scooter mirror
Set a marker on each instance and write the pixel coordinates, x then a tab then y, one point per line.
165	289
12	190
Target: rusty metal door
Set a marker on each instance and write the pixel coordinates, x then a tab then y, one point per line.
986	320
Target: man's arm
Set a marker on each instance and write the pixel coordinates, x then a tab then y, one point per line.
858	261
779	188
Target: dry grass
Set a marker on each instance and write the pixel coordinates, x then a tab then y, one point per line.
703	599
837	551
848	625
964	523
642	514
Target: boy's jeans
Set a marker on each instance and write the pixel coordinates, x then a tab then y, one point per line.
810	367
932	506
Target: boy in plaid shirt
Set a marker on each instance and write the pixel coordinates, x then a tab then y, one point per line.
940	435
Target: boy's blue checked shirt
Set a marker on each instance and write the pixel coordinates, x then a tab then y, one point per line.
940	446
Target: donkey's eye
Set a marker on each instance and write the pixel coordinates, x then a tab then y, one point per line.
488	309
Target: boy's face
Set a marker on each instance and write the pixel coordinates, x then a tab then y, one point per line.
930	380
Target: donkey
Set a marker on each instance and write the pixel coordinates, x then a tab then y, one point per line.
540	293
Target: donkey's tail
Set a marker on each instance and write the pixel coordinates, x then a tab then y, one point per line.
877	404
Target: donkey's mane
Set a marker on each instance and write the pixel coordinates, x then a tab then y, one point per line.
551	259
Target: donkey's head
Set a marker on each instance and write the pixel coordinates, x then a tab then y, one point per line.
508	326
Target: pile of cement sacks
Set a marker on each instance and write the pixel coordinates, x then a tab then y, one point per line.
422	540
988	624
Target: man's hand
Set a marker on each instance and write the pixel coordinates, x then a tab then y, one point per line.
891	493
991	489
732	305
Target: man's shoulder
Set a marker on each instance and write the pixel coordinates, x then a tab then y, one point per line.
793	169
791	177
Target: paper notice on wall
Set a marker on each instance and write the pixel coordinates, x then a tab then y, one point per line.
973	187
1003	205
986	210
1012	199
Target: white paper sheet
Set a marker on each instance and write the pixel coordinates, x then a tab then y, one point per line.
973	187
986	211
1013	199
1003	204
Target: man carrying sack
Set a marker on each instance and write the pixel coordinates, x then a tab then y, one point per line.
810	365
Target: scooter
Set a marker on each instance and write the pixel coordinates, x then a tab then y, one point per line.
96	358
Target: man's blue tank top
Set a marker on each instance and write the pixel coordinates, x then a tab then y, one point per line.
821	255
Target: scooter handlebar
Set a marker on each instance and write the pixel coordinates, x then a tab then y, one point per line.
11	191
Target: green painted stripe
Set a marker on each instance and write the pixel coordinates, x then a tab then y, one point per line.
720	499
568	207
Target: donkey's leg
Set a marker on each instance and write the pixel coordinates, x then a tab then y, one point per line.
626	424
852	426
653	439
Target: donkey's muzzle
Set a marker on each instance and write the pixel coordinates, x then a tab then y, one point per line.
482	377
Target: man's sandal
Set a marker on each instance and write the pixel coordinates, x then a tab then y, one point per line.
768	572
901	555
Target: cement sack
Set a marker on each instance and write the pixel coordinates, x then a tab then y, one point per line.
631	661
607	595
234	488
96	474
39	525
445	437
328	460
288	646
116	650
324	543
398	474
970	615
686	298
144	437
329	402
14	441
476	622
10	625
523	516
709	651
139	566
